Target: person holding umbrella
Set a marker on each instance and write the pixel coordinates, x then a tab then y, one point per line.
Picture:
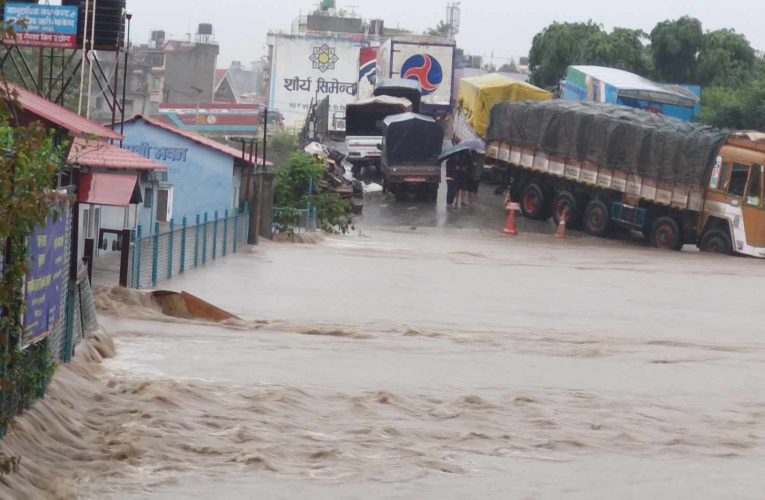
460	172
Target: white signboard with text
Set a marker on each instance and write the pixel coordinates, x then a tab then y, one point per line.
306	68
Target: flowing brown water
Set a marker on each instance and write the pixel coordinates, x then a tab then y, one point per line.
418	364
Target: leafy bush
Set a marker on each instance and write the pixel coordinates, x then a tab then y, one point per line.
299	188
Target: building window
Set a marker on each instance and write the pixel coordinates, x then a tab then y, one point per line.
148	197
157	60
165	204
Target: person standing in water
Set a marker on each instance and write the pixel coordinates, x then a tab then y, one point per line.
451	182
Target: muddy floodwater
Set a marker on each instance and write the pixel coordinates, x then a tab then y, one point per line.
427	357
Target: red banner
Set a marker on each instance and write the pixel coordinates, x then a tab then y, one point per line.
42	40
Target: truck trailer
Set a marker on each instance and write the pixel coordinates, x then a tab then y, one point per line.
602	166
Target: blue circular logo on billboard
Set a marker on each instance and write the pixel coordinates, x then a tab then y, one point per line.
426	70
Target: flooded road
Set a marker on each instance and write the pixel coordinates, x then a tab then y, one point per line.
427	356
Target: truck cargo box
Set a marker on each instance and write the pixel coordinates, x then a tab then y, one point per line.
654	147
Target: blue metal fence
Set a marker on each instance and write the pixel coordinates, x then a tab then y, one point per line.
167	252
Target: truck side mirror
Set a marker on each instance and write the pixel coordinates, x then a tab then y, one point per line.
379	147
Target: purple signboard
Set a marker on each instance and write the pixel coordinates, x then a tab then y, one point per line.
44	284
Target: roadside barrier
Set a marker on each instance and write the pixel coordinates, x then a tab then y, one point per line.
510	226
162	254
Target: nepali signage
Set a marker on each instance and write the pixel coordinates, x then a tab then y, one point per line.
44	285
217	119
52	26
307	69
160	153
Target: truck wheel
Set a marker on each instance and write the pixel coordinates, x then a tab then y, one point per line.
534	202
666	234
565	202
717	241
596	218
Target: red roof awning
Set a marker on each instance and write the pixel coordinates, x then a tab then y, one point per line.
96	154
43	109
115	190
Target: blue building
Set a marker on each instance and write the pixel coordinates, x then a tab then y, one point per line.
600	84
202	175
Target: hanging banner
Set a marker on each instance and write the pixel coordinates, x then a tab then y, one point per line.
53	26
44	285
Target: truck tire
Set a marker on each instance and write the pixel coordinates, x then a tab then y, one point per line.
565	202
666	234
716	241
596	218
534	202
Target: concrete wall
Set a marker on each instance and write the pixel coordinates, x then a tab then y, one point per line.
202	180
188	69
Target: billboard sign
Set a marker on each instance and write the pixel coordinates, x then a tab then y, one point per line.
48	268
430	64
367	72
307	69
52	26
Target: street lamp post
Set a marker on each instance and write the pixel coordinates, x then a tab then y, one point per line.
128	15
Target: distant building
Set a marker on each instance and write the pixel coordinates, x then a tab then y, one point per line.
240	84
162	71
319	58
202	176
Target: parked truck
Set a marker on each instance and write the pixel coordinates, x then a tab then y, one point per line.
429	61
479	94
364	125
411	146
602	166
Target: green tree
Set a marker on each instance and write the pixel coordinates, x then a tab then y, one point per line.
675	46
726	58
298	186
626	49
442	29
29	161
560	45
280	147
509	67
740	108
489	67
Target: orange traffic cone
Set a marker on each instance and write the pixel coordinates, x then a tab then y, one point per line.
510	228
561	232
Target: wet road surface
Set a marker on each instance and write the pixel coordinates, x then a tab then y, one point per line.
429	356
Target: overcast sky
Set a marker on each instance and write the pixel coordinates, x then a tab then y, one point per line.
504	27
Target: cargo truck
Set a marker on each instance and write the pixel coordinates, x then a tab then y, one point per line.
602	166
363	130
478	95
410	149
429	61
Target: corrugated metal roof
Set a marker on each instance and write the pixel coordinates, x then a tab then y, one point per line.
52	113
634	85
199	139
97	154
109	189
